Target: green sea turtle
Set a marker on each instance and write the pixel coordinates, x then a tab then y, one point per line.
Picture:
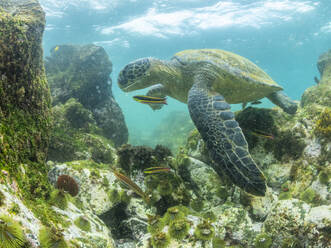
207	80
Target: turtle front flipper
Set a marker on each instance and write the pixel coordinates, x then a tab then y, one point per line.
224	139
284	102
157	90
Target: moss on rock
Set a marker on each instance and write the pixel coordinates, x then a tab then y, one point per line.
25	99
77	138
83	223
82	73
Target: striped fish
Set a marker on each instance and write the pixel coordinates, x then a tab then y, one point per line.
132	185
150	99
156	169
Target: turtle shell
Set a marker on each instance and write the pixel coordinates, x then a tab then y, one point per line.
236	78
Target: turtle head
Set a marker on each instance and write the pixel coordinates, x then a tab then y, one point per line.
138	74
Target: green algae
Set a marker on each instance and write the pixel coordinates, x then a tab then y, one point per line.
83	223
2	198
324	176
284	195
59	198
83	140
308	195
155	224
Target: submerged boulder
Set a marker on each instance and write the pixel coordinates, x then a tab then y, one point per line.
320	93
82	73
324	67
24	93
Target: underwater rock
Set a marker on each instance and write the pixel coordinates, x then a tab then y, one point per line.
313	149
24	93
294	222
286	219
233	224
204	182
320	216
95	183
320	93
324	67
22	214
75	136
137	158
82	73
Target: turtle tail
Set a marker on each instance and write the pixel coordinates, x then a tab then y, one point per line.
224	139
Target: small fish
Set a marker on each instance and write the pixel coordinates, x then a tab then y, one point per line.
56	48
262	134
150	99
256	102
132	185
156	169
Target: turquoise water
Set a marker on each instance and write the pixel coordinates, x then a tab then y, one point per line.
284	38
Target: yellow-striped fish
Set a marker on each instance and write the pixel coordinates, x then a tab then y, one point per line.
156	169
132	185
150	99
56	48
262	134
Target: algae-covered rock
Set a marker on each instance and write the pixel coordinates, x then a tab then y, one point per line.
24	93
204	182
82	73
324	67
320	93
233	223
75	136
95	181
286	219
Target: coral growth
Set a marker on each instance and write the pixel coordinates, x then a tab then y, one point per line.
68	184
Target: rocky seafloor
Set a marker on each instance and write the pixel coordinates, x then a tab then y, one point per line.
58	161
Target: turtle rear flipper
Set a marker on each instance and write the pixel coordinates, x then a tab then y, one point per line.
224	139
